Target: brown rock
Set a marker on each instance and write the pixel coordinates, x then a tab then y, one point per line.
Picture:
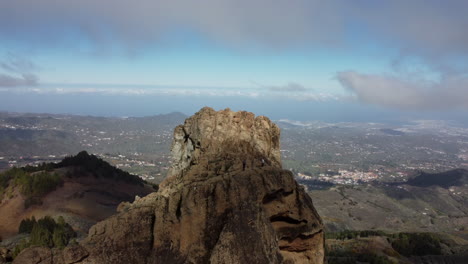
226	200
124	238
34	255
210	138
5	255
4	252
73	254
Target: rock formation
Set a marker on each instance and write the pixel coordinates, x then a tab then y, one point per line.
226	200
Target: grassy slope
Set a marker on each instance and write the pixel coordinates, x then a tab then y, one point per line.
405	208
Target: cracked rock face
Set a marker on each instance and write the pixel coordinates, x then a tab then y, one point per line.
226	200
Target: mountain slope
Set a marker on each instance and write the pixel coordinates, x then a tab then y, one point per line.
83	189
226	200
458	177
400	208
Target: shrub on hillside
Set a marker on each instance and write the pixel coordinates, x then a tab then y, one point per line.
417	244
45	232
32	185
27	225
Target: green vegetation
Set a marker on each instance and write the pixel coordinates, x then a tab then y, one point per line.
305	167
41	167
445	179
33	185
35	182
350	234
406	244
23	244
4	181
27	225
417	244
348	257
98	168
45	232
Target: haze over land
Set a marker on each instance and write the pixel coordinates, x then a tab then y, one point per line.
356	173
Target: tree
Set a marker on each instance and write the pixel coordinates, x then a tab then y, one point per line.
45	232
41	236
59	237
48	223
27	225
61	221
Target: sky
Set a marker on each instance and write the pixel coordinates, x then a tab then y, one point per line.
329	60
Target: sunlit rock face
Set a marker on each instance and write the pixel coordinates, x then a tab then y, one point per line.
210	135
226	200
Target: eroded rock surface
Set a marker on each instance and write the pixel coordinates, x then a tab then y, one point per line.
226	200
224	138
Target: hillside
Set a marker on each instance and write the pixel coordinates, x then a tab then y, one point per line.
457	178
226	200
400	208
387	248
34	138
83	189
373	223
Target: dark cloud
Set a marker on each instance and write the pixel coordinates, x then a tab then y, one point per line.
22	80
450	92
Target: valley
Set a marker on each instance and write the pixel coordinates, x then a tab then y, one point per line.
360	176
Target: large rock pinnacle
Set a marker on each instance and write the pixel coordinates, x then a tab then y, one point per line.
226	200
221	142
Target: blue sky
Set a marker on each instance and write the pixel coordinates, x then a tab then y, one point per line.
300	59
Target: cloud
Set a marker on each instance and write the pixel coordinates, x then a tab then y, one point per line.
20	71
296	92
427	27
432	30
450	92
290	87
141	23
15	63
23	80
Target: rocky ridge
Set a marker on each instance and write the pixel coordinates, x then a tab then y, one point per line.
226	200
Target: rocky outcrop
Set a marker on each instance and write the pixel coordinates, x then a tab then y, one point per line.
35	255
226	200
224	138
